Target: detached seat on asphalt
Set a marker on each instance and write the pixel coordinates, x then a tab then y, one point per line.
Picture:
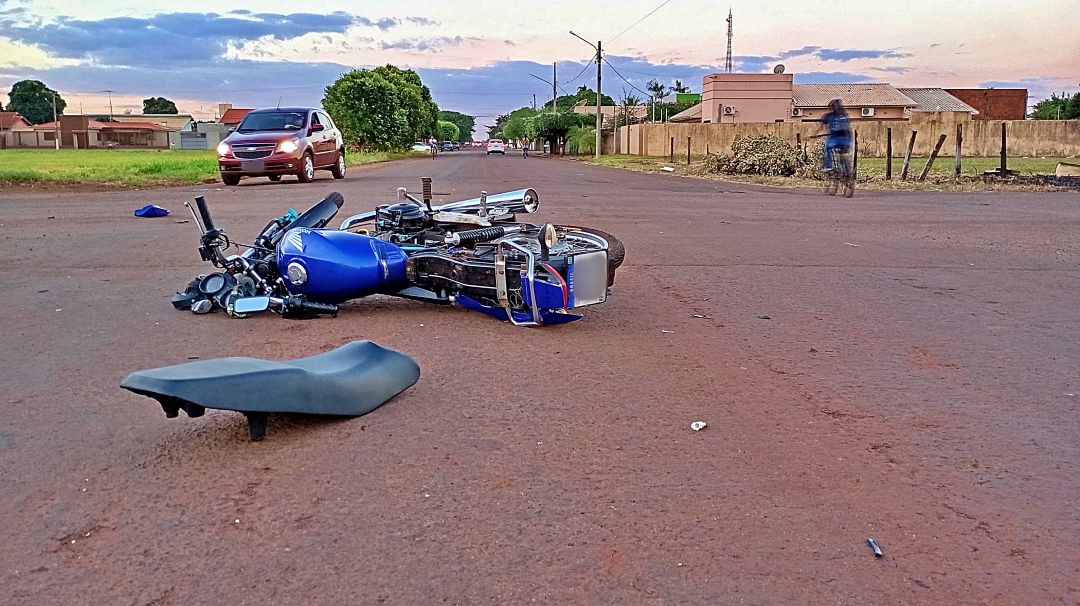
351	380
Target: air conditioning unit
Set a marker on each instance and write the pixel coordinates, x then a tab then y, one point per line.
796	112
867	112
729	110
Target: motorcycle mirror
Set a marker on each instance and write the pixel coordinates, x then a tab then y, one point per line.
401	193
250	305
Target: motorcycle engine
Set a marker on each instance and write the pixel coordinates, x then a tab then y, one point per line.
404	217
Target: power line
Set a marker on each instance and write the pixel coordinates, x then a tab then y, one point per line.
639	21
647	95
587	66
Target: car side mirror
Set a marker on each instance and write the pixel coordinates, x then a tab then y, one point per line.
317	128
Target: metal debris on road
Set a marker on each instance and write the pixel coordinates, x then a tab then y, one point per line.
764	318
697	425
183	221
703	316
812	350
670	332
874	546
850	244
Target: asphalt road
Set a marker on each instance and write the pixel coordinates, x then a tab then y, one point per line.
915	383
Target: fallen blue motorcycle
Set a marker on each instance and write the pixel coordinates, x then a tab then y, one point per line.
473	253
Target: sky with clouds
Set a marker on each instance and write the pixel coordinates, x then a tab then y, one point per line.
478	56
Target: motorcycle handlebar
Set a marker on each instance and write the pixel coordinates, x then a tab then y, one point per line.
320	308
208	222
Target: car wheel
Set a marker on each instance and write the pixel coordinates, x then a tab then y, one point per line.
230	180
274	178
339	168
307	169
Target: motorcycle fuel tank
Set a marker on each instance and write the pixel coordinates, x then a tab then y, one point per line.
331	266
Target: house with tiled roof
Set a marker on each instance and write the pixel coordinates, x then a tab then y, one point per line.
233	116
862	101
11	124
81	132
936	100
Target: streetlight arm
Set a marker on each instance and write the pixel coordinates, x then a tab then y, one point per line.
583	40
540	79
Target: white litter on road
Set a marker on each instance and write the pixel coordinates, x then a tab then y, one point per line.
697	425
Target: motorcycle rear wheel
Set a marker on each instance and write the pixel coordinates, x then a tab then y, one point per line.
616	252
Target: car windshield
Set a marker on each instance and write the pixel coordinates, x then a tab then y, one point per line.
254	123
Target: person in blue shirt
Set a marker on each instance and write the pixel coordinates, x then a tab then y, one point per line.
839	142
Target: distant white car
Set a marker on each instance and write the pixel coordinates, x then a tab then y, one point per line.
420	146
495	146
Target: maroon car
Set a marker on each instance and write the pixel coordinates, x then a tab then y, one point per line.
282	141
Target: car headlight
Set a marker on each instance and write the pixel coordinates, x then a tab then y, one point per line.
288	147
223	149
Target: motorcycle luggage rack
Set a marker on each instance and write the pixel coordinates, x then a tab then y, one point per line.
500	283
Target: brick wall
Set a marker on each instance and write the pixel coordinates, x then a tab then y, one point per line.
994	103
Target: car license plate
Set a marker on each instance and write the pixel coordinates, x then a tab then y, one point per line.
588	279
252	166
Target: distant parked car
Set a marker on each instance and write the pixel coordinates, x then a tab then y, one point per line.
447	146
457	145
282	141
495	146
420	146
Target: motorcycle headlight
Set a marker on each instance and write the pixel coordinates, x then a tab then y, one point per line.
223	149
288	147
551	238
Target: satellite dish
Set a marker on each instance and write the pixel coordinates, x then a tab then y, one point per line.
779	69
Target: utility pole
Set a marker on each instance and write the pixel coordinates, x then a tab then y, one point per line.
534	101
599	94
554	93
599	100
56	124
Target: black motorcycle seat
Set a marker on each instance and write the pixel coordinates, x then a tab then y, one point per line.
351	380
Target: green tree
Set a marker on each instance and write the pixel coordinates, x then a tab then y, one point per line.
415	98
495	130
369	111
680	87
158	105
34	101
586	139
1057	108
656	89
464	123
566	102
515	124
448	131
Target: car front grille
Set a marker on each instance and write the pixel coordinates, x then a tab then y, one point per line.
253	155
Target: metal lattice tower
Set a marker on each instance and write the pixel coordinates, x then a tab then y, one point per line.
727	61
